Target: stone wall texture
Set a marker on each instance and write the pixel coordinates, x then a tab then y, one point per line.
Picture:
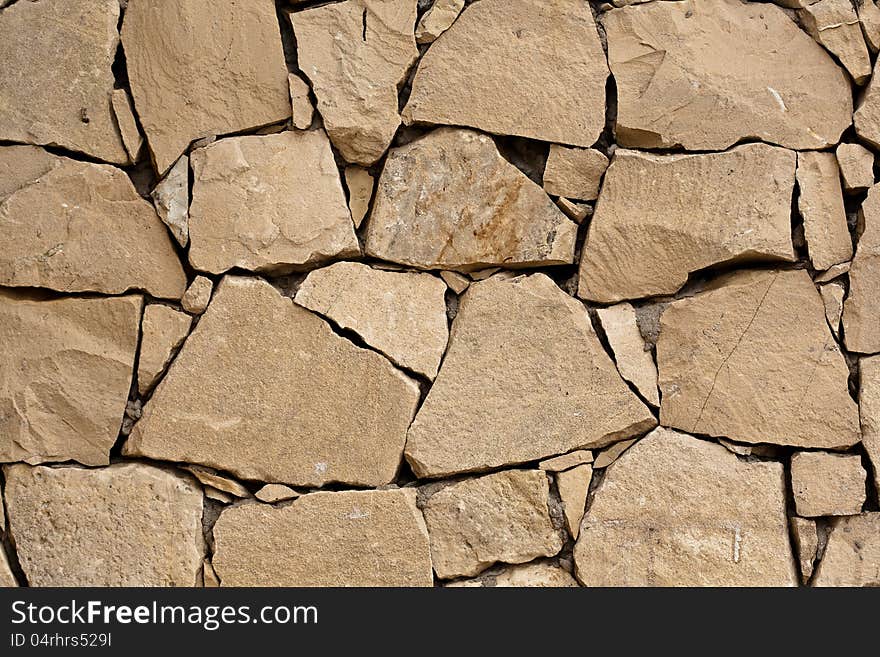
472	293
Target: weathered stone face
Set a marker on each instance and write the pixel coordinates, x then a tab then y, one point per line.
861	312
852	556
827	484
163	331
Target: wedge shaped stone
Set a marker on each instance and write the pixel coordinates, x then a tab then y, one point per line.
164	330
861	310
806	541
437	20
869	411
574	172
835	24
538	574
820	202
866	118
633	358
856	164
574	485
852	555
124	114
171	198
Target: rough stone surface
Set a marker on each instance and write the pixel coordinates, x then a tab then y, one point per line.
806	543
401	314
573	487
271	493
869	17
359	182
208	477
826	484
836	271
861	312
856	165
300	104
852	556
731	364
567	461
212	410
437	20
577	212
198	295
66	369
7	579
540	72
835	24
500	517
538	574
869	410
707	75
163	330
268	203
678	511
820	202
509	336
697	211
832	297
633	357
203	67
610	454
352	538
56	82
171	198
356	54
124	114
574	172
450	201
458	283
125	525
73	226
866	118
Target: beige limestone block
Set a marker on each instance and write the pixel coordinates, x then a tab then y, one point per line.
751	359
574	485
203	67
869	411
74	226
861	310
350	538
661	217
538	574
66	369
634	360
401	314
516	67
125	121
869	17
359	182
577	212
7	579
566	461
269	203
826	484
678	511
856	164
706	75
198	295
835	271
218	495
171	198
866	118
832	297
163	330
300	104
265	390
209	478
458	283
449	200
820	203
611	453
56	81
128	524
271	493
835	24
806	544
511	336
437	20
574	172
357	54
852	556
502	517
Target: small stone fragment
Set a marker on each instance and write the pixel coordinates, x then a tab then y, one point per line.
352	538
74	226
209	576
827	484
131	136
66	372
634	360
164	330
357	54
301	105
869	409
512	335
540	73
450	201
832	297
203	67
538	574
437	20
566	461
698	211
198	295
360	192
610	454
821	206
271	493
270	203
869	17
736	448
7	579
856	162
806	543
732	364
208	477
835	24
852	556
128	524
861	311
456	282
218	495
483	274
503	517
577	212
832	272
574	172
866	118
678	511
171	198
573	487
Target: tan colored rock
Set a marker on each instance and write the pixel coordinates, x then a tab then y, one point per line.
163	330
751	359
835	24
203	67
2	515
509	336
171	198
709	74
7	579
56	82
574	172
678	511
301	105
66	372
577	212
401	314
826	484
610	454
450	201
258	371
360	192
806	544
820	203
856	163
125	121
218	495
73	226
736	448
566	461
271	493
357	54
538	574
869	410
125	525
869	17
574	485
833	272
456	282
540	73
502	517
209	576
483	274
209	478
268	203
832	297
698	211
198	295
437	20
866	118
352	538
633	357
852	556
861	312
